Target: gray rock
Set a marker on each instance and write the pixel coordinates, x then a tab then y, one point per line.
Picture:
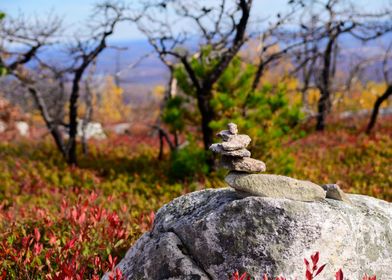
232	128
217	148
225	135
122	128
275	186
335	192
237	153
243	164
150	251
236	142
3	126
209	234
23	128
93	130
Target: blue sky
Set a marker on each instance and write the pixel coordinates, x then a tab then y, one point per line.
75	12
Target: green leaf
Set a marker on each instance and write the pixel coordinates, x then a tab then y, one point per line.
121	241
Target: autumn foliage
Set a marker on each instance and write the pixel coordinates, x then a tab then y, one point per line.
312	270
77	242
55	219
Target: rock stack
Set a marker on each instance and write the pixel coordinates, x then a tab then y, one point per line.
235	156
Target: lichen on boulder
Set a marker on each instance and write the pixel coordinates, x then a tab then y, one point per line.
208	234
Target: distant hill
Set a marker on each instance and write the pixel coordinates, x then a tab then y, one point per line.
152	72
139	80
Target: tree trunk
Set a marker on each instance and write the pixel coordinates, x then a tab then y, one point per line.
324	103
376	108
207	115
73	120
87	116
160	155
304	98
52	127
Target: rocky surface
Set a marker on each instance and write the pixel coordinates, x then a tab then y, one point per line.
333	191
275	186
209	234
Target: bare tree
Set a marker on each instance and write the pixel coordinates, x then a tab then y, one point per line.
170	92
386	65
275	43
222	26
327	22
84	51
108	15
20	42
21	39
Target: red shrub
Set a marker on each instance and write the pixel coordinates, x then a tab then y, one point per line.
74	244
312	270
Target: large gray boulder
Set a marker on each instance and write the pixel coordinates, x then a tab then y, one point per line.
210	233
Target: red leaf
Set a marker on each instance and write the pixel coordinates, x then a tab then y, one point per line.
152	218
70	244
307	264
366	277
339	275
118	274
82	218
320	270
315	258
25	241
308	275
235	275
37	235
37	248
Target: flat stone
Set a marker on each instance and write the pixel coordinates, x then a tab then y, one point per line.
335	192
237	153
225	135
217	148
236	142
275	186
232	128
243	164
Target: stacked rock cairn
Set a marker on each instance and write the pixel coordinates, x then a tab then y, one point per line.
235	156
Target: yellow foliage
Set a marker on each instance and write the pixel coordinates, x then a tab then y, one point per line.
158	92
360	96
108	103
